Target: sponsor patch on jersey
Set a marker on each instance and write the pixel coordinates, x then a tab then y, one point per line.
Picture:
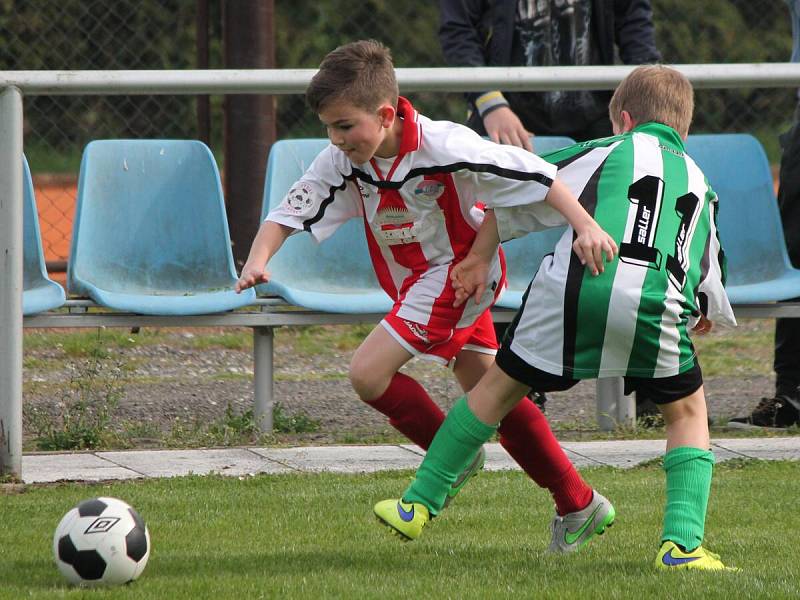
393	215
429	189
299	198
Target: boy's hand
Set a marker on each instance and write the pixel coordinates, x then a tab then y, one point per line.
469	279
703	326
250	276
592	245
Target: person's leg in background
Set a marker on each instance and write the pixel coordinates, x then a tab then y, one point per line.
787	331
783	409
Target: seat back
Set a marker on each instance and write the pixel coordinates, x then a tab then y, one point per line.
150	219
341	265
523	255
749	221
39	291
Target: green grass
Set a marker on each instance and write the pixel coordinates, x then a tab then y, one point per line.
313	536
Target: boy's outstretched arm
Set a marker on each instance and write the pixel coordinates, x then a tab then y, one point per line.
592	243
269	239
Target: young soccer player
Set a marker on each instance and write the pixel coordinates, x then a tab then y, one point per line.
415	183
633	320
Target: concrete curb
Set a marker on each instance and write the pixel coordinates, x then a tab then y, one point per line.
136	464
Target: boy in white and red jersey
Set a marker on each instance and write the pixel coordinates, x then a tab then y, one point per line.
415	183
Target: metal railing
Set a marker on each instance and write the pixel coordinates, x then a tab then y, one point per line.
14	84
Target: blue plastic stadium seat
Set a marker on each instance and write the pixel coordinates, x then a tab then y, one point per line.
334	276
39	292
736	166
523	255
150	234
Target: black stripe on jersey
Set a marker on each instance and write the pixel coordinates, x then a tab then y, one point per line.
323	205
460	166
563	163
721	254
575	274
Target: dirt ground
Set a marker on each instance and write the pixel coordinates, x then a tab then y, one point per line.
166	383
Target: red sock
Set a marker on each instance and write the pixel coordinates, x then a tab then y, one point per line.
410	410
527	437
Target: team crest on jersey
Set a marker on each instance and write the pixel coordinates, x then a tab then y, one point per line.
417	331
299	198
429	189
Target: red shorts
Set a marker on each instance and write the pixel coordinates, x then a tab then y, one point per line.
441	344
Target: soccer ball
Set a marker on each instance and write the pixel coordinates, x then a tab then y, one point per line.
102	541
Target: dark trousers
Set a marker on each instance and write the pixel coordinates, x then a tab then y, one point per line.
787	331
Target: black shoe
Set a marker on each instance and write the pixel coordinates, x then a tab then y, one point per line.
538	398
777	413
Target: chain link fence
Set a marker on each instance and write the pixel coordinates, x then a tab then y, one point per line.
145	34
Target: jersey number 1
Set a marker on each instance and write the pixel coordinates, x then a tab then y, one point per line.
647	195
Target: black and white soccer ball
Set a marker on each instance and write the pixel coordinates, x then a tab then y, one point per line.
102	541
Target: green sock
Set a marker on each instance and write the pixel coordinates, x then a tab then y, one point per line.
688	486
452	449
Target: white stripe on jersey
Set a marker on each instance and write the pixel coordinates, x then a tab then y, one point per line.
539	336
423	293
669	353
623	305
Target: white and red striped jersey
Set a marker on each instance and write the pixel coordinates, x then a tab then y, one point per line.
419	208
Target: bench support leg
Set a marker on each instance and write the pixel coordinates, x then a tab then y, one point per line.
614	409
262	376
11	243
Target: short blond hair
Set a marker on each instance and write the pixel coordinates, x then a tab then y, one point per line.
360	72
655	93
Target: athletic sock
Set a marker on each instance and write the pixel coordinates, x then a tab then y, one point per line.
689	473
410	410
527	437
455	445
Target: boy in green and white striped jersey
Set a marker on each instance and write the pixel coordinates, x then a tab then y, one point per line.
633	320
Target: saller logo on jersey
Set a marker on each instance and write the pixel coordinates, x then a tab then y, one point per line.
429	189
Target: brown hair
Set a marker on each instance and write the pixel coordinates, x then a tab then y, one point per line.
655	93
362	72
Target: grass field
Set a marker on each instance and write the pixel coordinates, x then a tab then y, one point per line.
313	536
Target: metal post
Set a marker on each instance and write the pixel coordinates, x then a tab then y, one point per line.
614	409
249	121
262	376
11	282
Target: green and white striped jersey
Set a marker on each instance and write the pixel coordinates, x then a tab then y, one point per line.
634	318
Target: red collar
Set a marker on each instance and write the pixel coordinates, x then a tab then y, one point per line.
410	140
